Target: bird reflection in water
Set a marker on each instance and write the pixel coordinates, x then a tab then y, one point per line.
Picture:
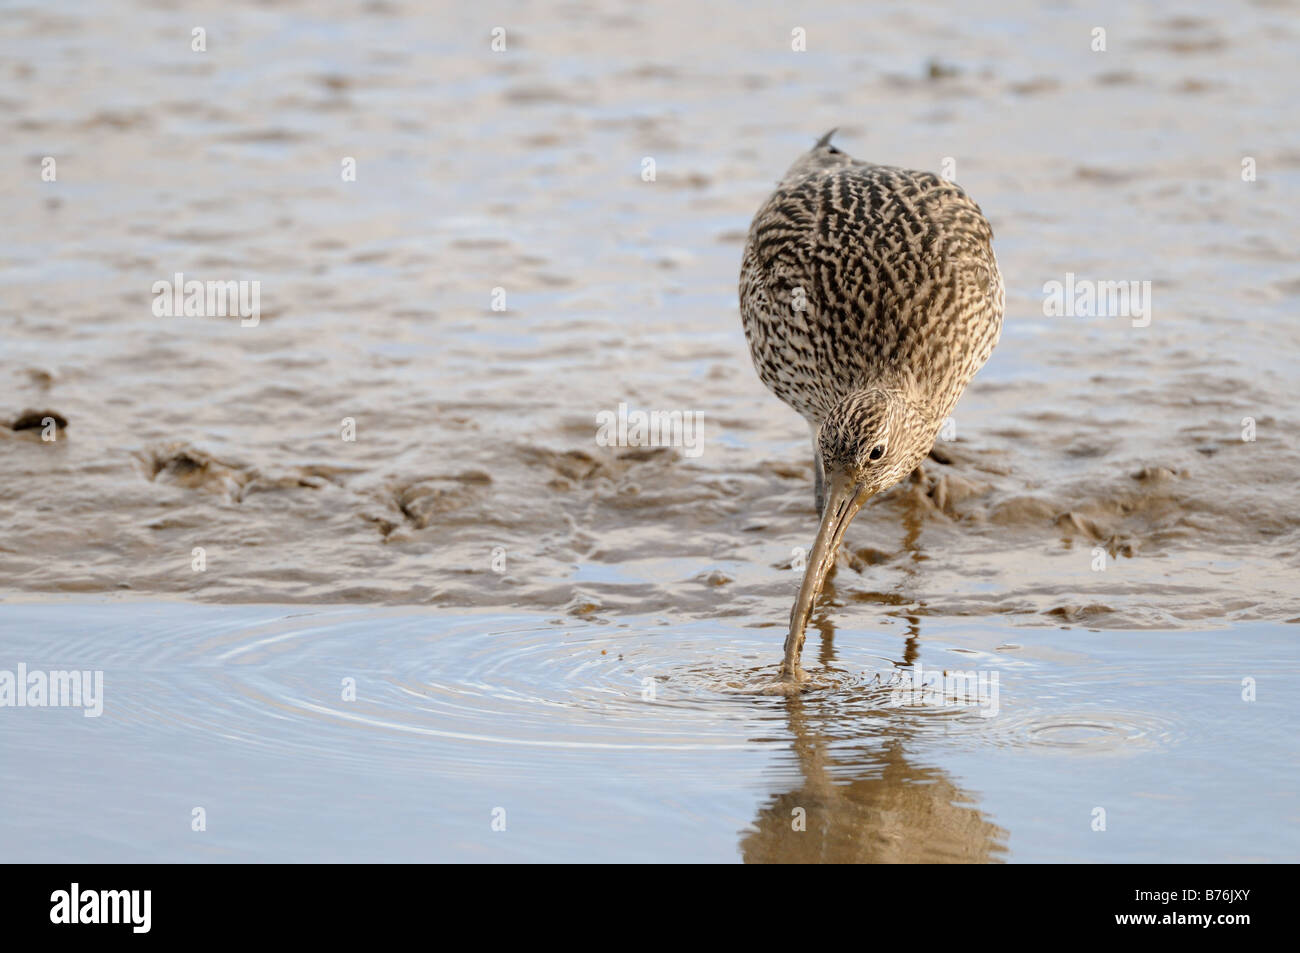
863	798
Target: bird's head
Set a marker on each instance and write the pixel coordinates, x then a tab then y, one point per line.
869	441
822	157
872	439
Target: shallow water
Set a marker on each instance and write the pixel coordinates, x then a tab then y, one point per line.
1102	535
240	711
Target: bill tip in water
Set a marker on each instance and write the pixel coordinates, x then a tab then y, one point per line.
785	685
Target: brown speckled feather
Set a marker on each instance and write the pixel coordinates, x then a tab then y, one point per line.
898	278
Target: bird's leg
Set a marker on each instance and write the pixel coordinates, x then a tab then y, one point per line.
819	489
820	473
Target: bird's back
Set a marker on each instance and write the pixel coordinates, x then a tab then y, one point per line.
856	273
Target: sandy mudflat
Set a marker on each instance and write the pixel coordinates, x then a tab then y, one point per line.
521	170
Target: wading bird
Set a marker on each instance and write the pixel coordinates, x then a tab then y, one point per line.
870	297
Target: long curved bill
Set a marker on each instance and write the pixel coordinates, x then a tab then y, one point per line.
843	500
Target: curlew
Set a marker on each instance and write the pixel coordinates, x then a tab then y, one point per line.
870	297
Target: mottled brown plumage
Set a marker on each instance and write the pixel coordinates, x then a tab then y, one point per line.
870	297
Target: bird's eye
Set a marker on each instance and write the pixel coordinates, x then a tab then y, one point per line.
877	452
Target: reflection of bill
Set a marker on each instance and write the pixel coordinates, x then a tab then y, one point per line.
919	688
868	803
